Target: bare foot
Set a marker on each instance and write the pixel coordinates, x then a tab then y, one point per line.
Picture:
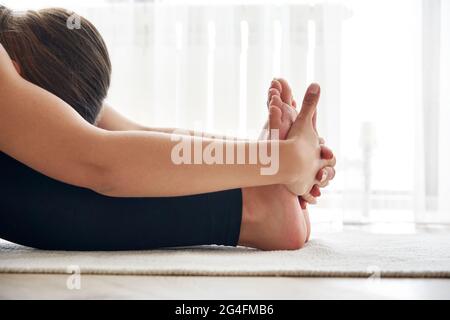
280	94
303	135
271	215
272	218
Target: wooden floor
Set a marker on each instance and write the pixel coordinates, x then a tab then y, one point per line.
37	286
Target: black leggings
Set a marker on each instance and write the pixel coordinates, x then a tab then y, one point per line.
41	212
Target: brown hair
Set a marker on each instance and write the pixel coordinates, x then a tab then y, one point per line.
72	63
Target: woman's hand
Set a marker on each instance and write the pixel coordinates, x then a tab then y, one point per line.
309	150
280	95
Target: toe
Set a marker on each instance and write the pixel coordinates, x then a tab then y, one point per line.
294	104
289	114
272	92
286	92
275	116
287	119
276	101
275	84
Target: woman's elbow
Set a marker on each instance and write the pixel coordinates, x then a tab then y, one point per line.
98	178
104	188
112	181
99	172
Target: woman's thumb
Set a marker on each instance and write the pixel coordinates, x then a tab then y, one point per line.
310	102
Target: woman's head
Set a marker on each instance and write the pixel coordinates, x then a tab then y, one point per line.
72	63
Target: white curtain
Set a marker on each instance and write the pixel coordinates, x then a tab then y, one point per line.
383	66
444	115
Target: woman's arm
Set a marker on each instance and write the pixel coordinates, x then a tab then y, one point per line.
111	120
43	132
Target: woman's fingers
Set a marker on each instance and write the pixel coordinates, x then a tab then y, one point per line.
303	203
331	172
303	122
315	191
325	152
328	162
324	176
309	198
327	172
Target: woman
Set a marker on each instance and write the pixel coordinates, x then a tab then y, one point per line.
74	180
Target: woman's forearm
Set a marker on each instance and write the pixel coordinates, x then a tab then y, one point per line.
148	164
112	120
